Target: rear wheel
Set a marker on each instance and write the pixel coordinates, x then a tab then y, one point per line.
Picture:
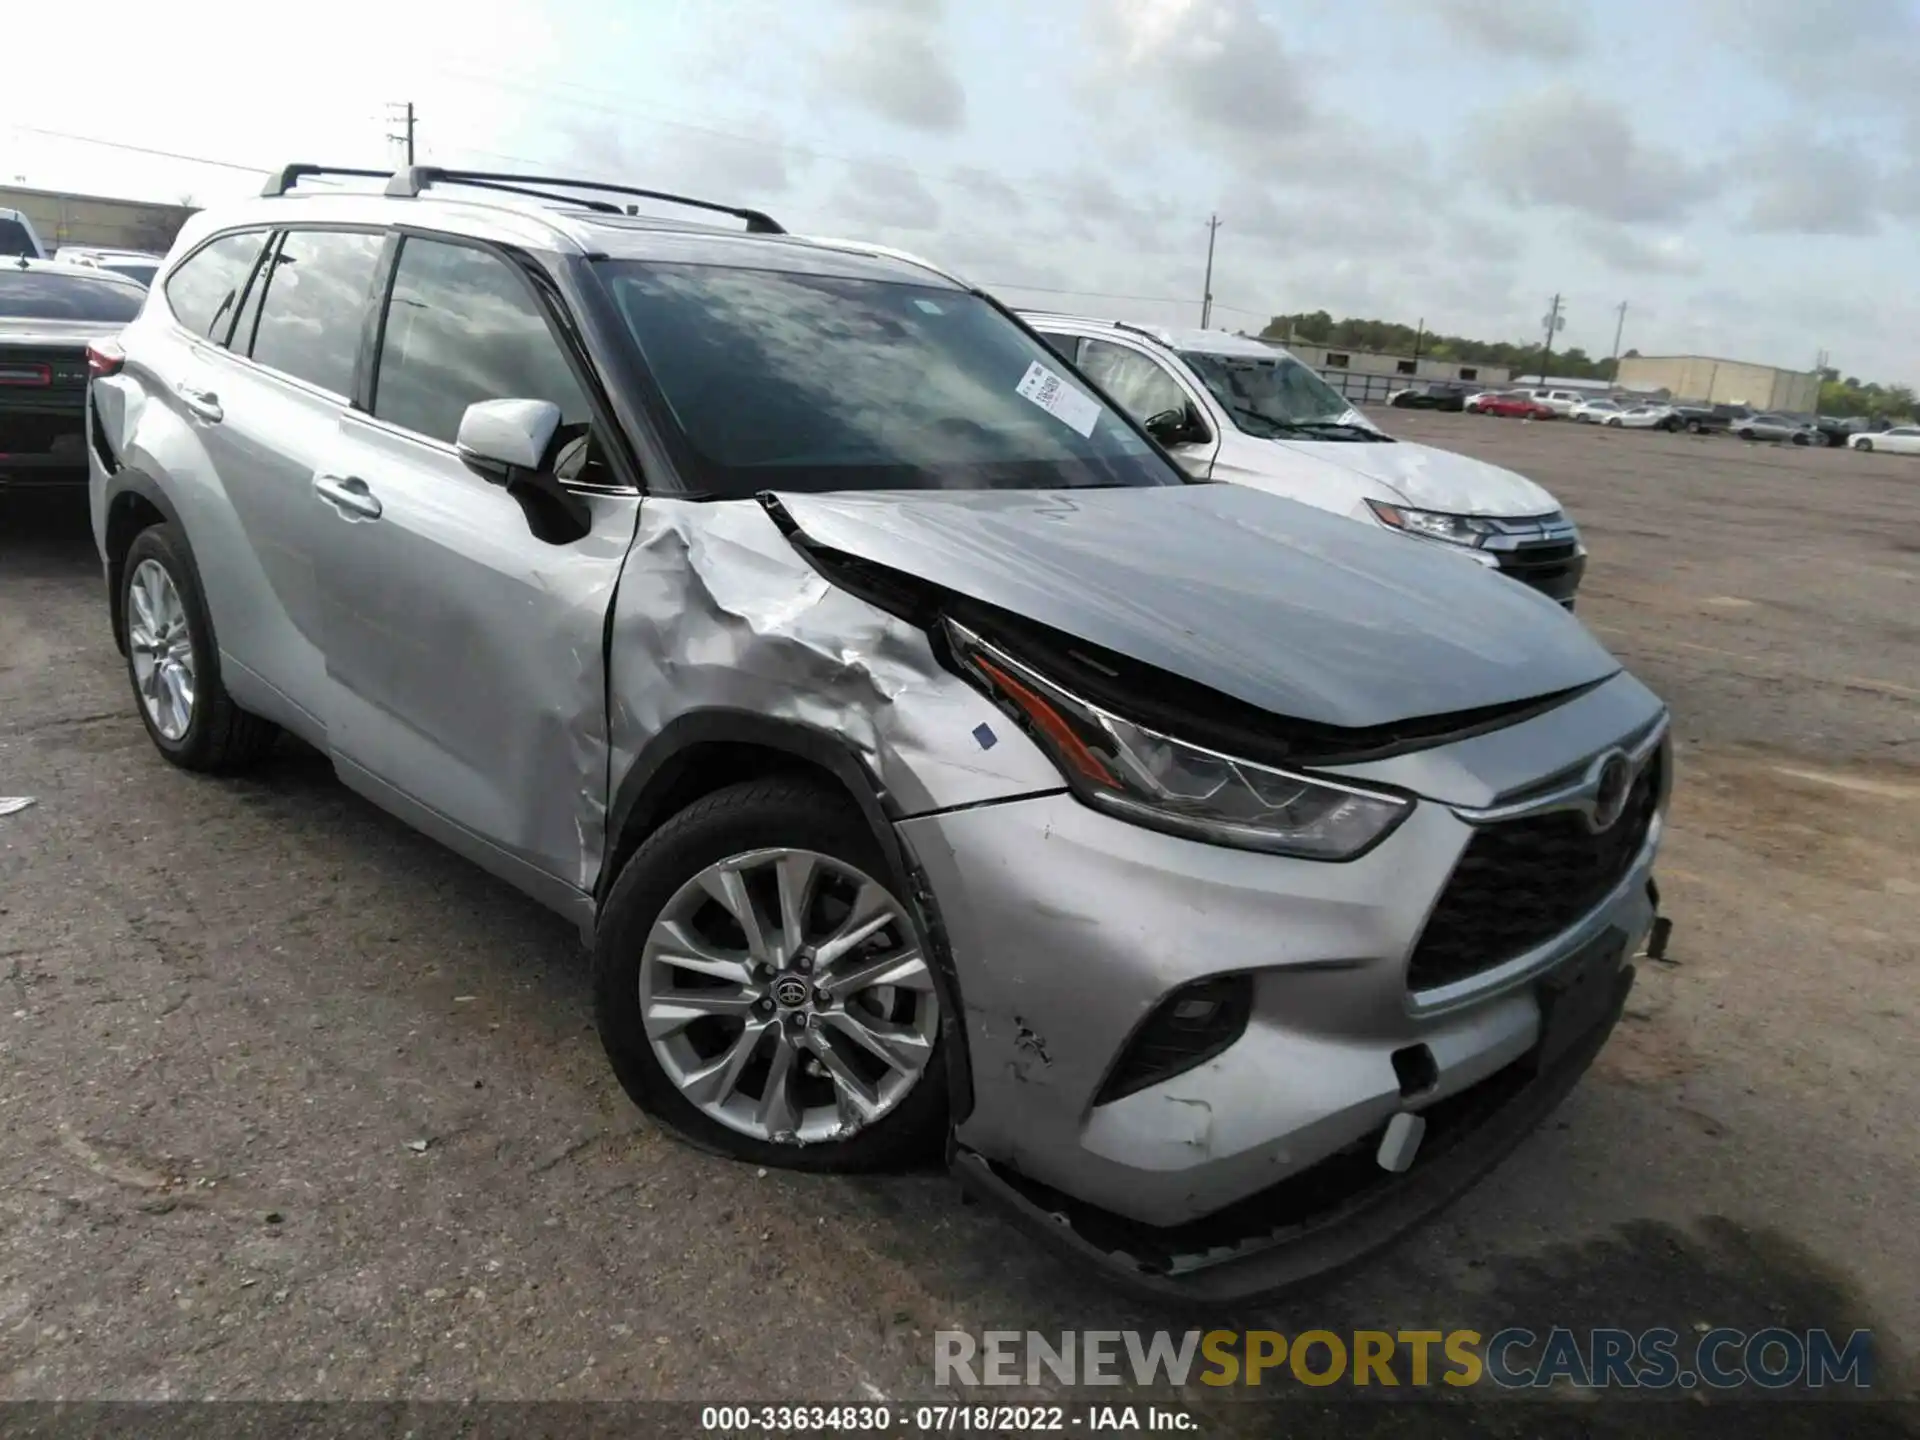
763	991
1671	425
1800	439
174	663
1745	434
1694	427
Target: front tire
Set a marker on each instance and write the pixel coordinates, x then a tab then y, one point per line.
173	661
762	990
1864	445
1694	427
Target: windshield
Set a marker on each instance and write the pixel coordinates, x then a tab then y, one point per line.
1269	397
39	295
778	381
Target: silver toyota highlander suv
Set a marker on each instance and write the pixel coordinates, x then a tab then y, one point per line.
928	760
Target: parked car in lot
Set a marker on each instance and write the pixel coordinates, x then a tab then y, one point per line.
1514	405
1899	440
1593	412
136	265
1770	425
1646	417
18	237
1241	410
51	315
1560	402
1223	883
1432	395
1700	419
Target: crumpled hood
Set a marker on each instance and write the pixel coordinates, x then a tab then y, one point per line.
1431	479
1302	613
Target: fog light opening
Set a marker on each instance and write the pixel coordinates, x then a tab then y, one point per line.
1416	1070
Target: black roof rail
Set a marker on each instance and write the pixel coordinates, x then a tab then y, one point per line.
1134	329
410	181
288	176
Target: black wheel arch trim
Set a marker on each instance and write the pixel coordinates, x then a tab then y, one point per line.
639	806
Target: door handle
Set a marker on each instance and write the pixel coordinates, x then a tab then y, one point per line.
348	494
203	403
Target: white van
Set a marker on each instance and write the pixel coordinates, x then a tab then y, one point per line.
1240	410
1561	402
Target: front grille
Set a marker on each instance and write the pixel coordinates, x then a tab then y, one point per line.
1548	568
1522	882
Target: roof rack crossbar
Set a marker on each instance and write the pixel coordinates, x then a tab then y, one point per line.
604	207
288	176
410	181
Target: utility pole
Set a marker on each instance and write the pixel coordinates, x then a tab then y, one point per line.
1614	374
1553	322
1206	298
405	137
1419	334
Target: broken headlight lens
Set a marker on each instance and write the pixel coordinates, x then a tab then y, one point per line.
1155	780
1433	524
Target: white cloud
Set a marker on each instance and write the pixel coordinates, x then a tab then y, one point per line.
1561	146
1811	187
885	197
1622	249
1549	30
891	60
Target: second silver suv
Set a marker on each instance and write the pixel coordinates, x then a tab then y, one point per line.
929	763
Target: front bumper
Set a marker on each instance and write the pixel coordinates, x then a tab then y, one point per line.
1068	928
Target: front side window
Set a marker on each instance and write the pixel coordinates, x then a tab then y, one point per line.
317	286
48	295
462	327
1268	397
205	290
804	382
1135	380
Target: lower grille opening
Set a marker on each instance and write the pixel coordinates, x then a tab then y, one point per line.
1188	1028
1522	882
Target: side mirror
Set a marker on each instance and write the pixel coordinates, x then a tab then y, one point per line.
1171	427
510	442
500	437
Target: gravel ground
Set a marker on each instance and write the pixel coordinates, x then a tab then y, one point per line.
300	1106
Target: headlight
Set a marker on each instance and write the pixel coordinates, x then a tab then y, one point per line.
1433	525
1154	780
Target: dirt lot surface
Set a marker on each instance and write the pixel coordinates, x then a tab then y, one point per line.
299	1105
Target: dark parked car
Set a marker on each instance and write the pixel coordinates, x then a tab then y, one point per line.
1716	419
1441	395
51	315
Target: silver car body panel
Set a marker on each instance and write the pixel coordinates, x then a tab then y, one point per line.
1280	605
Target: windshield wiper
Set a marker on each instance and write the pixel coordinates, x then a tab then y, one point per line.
1315	428
1342	428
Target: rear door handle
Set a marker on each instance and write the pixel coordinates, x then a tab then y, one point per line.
203	403
348	494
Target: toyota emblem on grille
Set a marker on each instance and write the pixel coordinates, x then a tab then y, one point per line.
1610	781
791	991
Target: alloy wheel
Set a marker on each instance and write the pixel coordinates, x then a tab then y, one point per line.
160	647
785	995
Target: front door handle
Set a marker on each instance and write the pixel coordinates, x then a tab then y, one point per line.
349	495
203	403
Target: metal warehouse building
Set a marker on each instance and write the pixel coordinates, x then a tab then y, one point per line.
1370	378
1713	381
63	219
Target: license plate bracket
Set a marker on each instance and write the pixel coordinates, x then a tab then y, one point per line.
1580	994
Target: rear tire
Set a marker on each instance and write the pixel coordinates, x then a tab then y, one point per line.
1746	435
721	1098
173	660
1694	427
1800	440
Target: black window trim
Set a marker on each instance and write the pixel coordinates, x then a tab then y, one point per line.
547	301
274	242
164	277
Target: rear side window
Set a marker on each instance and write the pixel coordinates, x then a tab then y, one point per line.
463	327
1139	384
204	290
40	295
317	288
1067	347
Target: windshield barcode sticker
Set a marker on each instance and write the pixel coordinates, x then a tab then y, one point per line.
1054	395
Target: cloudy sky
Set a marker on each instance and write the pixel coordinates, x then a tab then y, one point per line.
1745	174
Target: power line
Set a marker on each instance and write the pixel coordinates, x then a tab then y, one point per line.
146	150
